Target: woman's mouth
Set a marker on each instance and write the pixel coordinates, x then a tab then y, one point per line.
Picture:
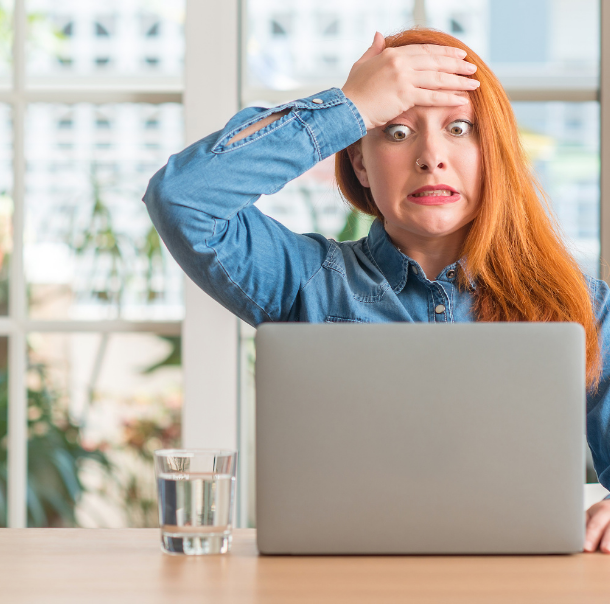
434	195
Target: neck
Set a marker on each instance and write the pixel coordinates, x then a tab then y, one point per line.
433	254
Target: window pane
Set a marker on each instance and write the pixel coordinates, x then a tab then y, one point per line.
6	41
3	428
528	43
291	44
98	406
562	140
91	251
115	40
6	202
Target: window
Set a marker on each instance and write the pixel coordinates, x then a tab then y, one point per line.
71	38
456	27
329	25
277	29
153	31
101	31
92	334
68	29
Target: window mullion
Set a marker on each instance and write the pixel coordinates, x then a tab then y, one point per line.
209	339
17	394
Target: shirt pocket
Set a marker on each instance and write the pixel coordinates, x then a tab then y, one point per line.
333	319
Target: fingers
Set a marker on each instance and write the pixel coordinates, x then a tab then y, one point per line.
436	80
604	545
376	48
386	82
433	49
434	98
440	63
598	530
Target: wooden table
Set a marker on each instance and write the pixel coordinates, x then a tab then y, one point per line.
90	566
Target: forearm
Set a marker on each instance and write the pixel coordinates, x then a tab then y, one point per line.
258	126
230	169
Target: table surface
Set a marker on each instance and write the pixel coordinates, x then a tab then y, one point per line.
48	566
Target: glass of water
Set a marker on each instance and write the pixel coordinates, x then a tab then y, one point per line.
196	493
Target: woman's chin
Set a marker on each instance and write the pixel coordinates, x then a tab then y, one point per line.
434	230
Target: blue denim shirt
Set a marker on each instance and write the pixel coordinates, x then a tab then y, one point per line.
202	204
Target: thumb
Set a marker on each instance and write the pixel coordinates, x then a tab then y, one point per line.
376	47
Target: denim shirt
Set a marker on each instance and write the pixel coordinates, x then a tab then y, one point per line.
202	204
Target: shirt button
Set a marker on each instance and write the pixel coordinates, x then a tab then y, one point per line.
415	270
439	309
317	101
450	274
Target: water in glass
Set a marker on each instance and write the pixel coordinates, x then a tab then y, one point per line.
195	512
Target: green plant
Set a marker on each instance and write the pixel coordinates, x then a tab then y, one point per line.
158	429
141	437
113	251
173	358
101	239
55	454
357	225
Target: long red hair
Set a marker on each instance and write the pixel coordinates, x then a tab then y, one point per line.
514	248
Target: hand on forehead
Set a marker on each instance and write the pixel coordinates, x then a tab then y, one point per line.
440	110
386	82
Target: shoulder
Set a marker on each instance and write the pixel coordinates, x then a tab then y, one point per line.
599	293
592	284
338	254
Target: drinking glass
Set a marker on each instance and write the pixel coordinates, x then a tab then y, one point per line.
196	494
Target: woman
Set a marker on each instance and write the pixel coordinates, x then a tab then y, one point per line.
426	142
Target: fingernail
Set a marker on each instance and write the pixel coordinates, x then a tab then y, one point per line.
587	545
461	52
472	67
475	83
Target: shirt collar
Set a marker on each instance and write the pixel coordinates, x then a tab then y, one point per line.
393	263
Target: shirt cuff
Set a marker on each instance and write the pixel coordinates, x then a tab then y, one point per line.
331	119
335	128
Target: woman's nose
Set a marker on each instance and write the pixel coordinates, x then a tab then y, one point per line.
430	158
428	167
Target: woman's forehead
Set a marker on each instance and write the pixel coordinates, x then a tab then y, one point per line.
421	110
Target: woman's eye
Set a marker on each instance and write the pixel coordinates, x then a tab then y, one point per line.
398	132
460	127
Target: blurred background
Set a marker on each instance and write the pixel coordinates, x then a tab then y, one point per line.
91	303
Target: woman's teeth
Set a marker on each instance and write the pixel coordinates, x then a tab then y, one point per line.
440	193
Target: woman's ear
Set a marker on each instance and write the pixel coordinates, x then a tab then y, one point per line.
355	156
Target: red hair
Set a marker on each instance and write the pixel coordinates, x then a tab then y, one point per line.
514	248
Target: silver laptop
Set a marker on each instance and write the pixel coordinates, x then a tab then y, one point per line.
412	438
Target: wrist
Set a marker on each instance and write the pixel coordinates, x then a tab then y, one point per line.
357	103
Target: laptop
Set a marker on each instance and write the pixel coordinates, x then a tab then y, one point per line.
415	438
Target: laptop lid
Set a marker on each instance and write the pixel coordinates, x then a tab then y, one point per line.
411	438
